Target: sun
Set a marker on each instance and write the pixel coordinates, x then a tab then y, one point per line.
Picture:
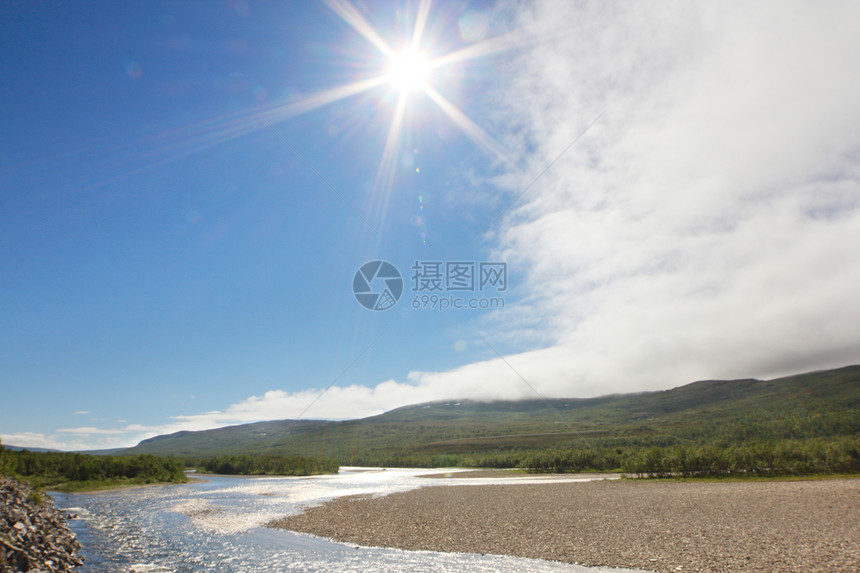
408	70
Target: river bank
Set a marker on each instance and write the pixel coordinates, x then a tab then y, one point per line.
218	525
648	524
34	535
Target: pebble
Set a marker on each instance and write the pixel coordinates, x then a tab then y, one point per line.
653	525
33	538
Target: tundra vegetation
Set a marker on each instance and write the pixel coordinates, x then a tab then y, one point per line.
63	471
798	425
264	464
794	426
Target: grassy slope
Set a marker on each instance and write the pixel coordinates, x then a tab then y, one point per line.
86	486
814	404
243	439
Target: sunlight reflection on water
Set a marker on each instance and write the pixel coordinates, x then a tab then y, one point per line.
218	525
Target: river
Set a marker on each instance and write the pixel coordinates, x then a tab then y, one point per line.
219	525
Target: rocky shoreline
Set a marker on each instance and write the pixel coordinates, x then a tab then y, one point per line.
33	538
652	525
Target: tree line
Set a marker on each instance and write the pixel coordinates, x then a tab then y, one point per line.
264	464
46	469
72	471
784	458
838	455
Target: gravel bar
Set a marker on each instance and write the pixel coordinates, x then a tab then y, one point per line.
653	525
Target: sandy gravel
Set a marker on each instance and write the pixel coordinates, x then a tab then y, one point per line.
652	525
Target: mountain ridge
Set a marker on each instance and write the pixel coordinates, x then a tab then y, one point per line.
813	404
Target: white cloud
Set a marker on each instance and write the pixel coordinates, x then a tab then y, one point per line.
27	439
91	430
81	412
56	442
706	226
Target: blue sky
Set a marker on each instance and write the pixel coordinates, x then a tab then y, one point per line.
188	189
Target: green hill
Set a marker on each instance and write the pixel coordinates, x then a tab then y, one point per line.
258	437
814	405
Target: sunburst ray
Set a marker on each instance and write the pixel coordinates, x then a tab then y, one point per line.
472	130
420	23
350	14
509	41
385	173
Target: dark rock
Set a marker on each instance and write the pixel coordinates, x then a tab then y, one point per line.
33	538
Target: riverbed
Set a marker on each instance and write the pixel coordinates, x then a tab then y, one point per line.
220	525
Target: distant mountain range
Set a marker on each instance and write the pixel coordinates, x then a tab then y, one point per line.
816	404
19	449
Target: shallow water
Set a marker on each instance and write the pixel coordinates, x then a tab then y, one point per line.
219	525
